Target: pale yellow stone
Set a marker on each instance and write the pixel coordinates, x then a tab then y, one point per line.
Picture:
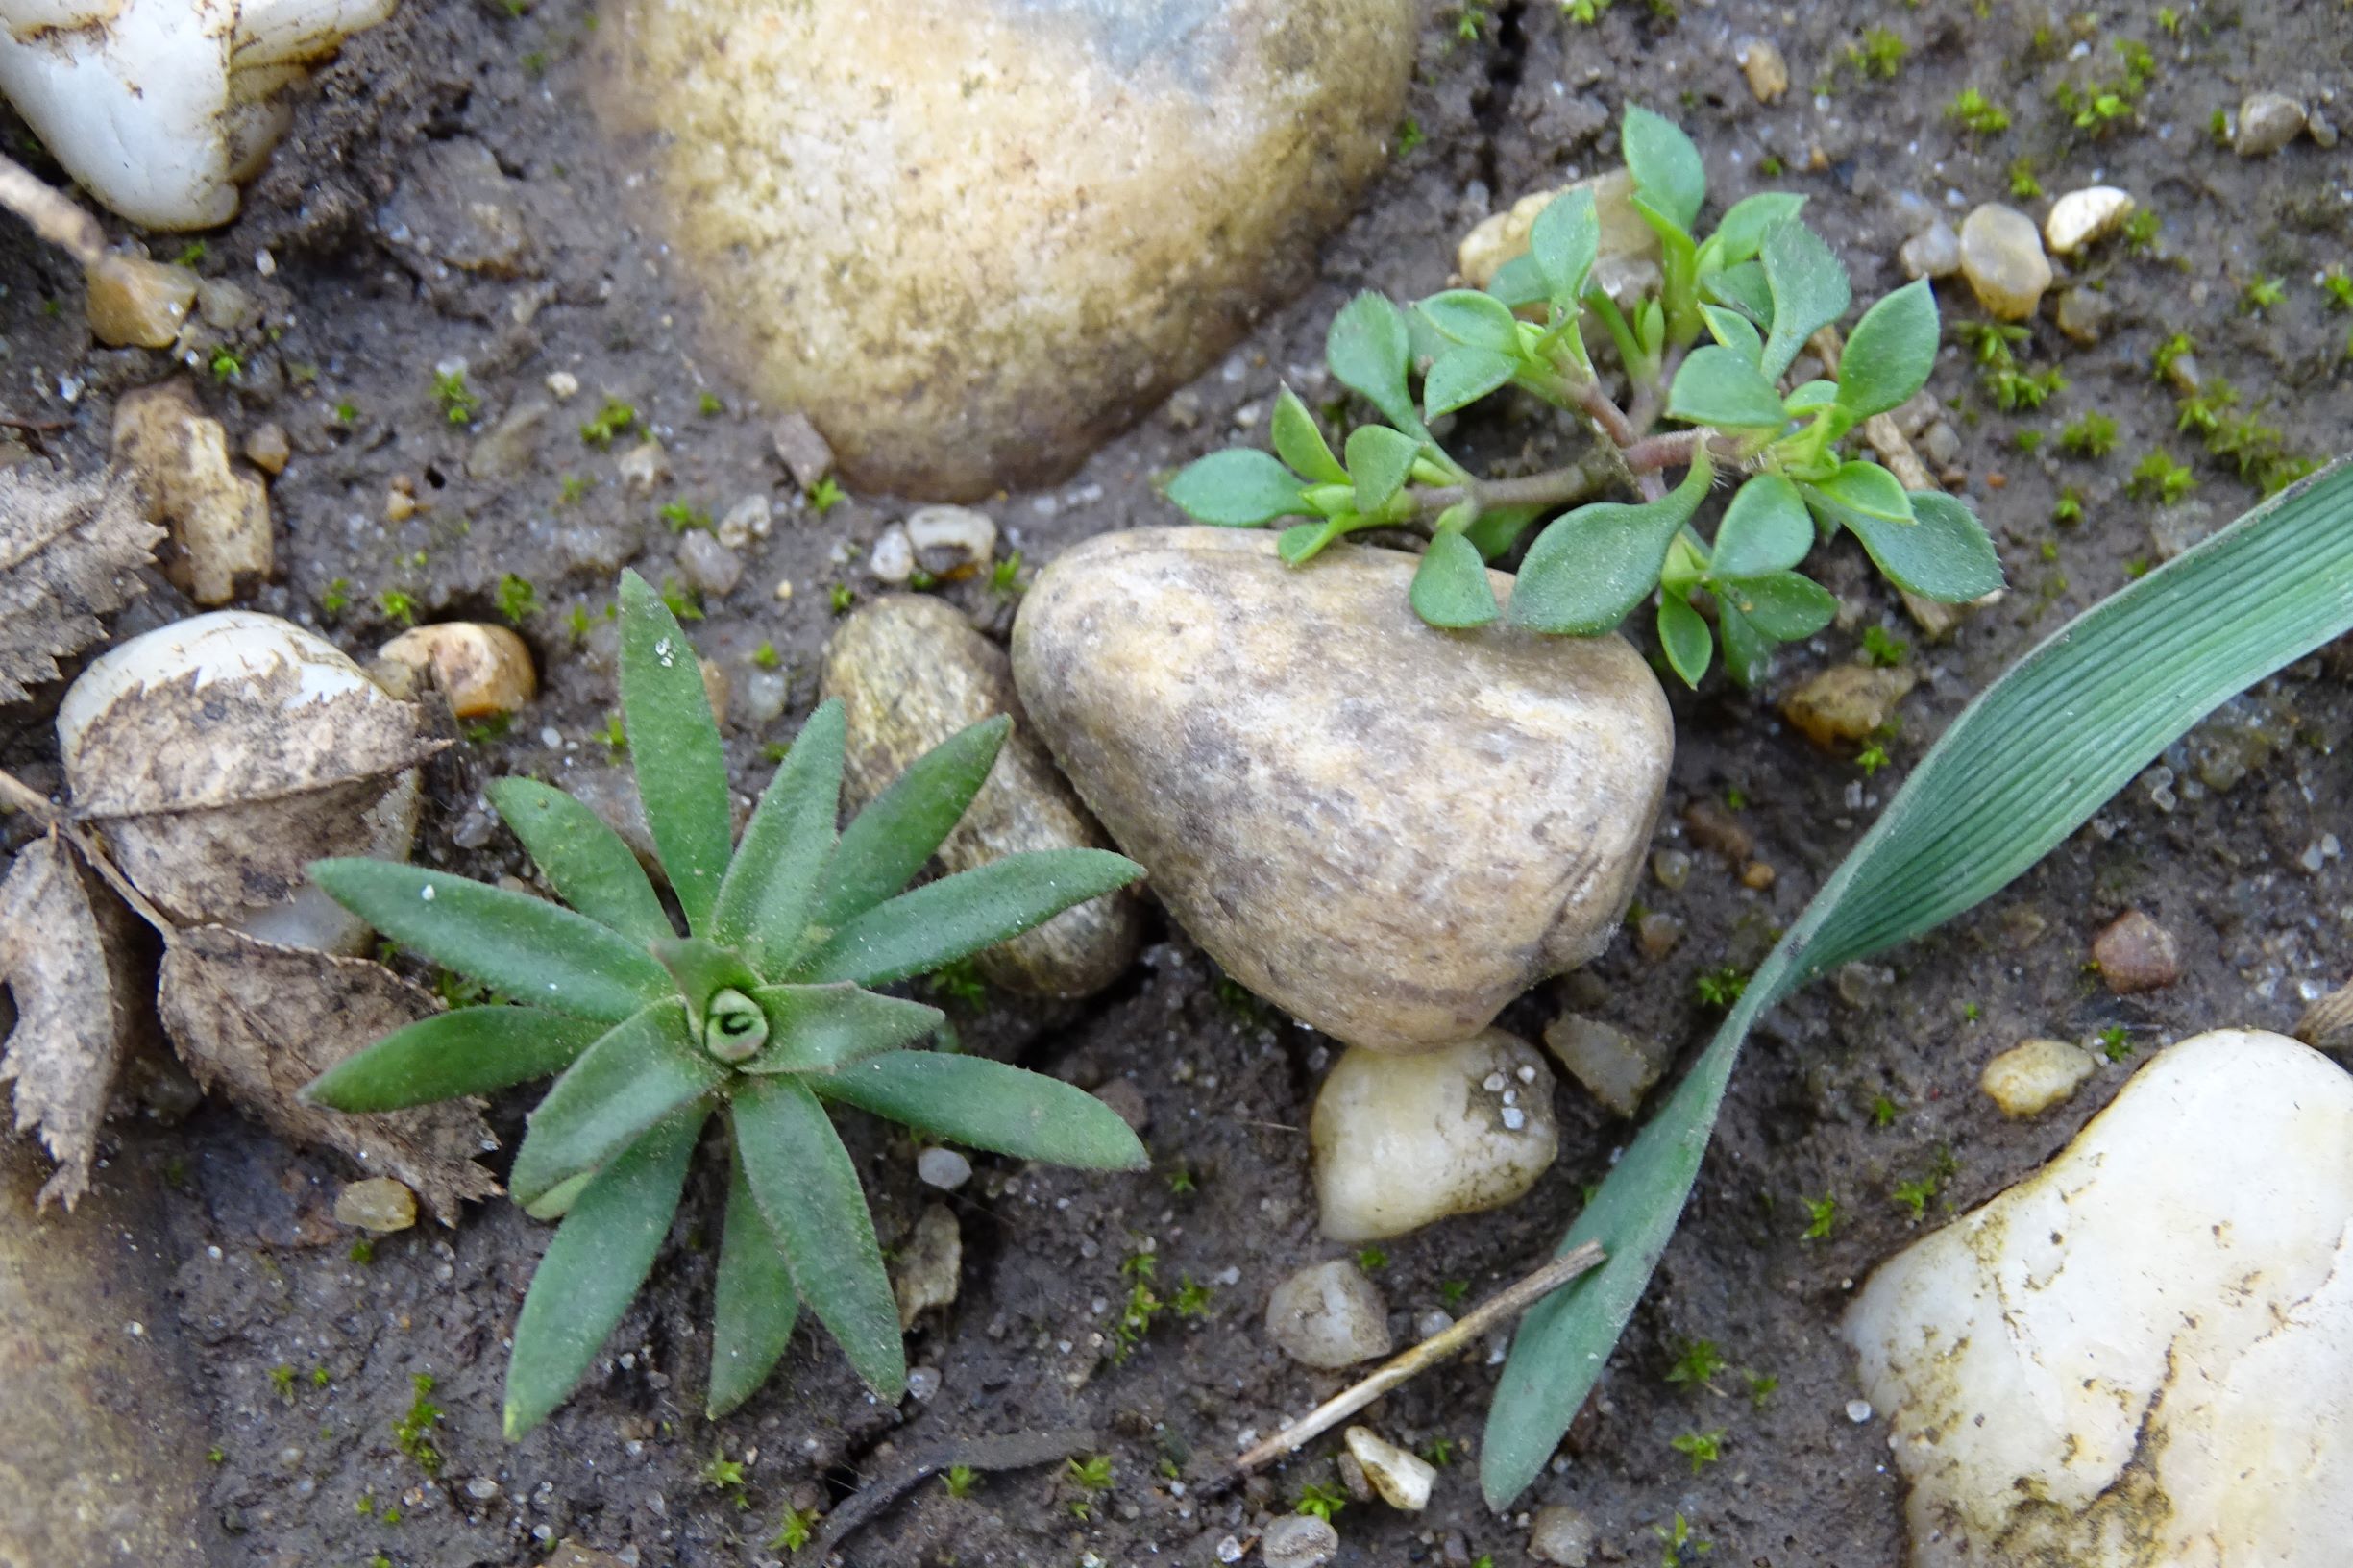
1846	703
134	303
219	518
1627	241
2001	256
973	241
267	447
1402	1479
376	1203
2081	217
1388	830
481	669
2034	1075
1768	73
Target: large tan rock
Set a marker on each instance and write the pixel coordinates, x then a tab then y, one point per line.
1388	830
2141	1355
973	241
910	671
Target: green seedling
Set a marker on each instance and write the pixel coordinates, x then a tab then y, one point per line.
1708	352
2023	183
458	402
1977	113
1701	1448
1882	649
1323	1502
1699	1363
397	607
825	495
614	420
2159	477
1820	1218
1878	53
760	1015
517	599
2089	435
959	1479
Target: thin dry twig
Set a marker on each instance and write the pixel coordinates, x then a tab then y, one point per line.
1498	1308
54	215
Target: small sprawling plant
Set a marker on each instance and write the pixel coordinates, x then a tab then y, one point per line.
759	1016
1709	348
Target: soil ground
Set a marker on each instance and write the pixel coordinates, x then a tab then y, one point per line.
1848	1091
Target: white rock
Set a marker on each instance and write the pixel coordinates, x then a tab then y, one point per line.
2142	1354
2002	255
1403	1480
893	560
644	465
1402	1140
749	519
942	1168
1935	252
1298	1541
1561	1534
2034	1075
2082	216
1329	1316
951	540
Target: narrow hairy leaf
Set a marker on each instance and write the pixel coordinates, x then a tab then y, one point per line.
1684	636
1741	232
1299	441
531	949
987	1105
1718	386
1451	587
1809	292
808	1190
1460	376
1665	166
1764	529
764	901
467	1050
601	1256
957	916
636	1074
1890	353
2025	766
1368	351
1564	241
887	843
1379	459
753	1302
583	860
1943	554
1590	567
680	768
821	1028
1240	487
1476	320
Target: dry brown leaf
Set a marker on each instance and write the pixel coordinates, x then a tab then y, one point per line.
260	1022
69	551
65	956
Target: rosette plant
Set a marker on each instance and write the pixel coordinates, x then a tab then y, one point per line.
760	1016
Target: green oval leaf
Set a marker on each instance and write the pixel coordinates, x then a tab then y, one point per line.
1784	606
1564	242
1665	166
1379	459
583	860
895	836
823	1028
1369	351
753	1302
1299	441
1735	332
1239	487
1498	528
467	1050
1741	232
636	1074
1809	292
1589	568
1520	281
1809	397
526	947
808	1192
1944	555
1460	376
1743	288
987	1105
1685	638
1747	652
1890	353
599	1257
772	884
957	916
1717	386
680	768
1451	587
1856	490
1764	529
1477	320
1302	541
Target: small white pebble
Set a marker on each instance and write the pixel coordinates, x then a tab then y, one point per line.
1514	1119
550	737
922	1381
1858	1411
1492	1083
137	1329
427	893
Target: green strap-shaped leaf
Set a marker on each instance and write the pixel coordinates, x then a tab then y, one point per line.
1368	351
2025	765
808	1192
675	753
764	902
1943	555
1379	459
639	1072
1720	386
1889	351
1589	568
899	830
531	950
1299	441
1810	291
1240	487
1665	166
957	916
1451	587
583	860
1764	529
601	1256
468	1050
987	1105
754	1304
823	1028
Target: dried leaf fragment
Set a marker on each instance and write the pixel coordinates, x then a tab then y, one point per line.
260	1022
70	552
65	955
219	518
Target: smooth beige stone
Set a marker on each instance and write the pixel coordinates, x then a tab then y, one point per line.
2001	256
1328	1315
2081	217
1402	1140
481	669
134	303
2141	1355
910	671
380	1203
1627	241
973	241
1387	830
2034	1075
1402	1479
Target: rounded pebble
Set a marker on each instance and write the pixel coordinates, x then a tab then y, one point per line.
2001	256
942	1168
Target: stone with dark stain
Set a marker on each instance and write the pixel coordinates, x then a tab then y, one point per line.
1388	830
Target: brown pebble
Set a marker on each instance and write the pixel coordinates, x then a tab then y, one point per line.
1712	827
2137	954
1847	703
1757	874
1123	1097
1657	934
267	447
376	1203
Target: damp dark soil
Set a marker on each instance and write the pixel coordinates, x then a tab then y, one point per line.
301	1358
